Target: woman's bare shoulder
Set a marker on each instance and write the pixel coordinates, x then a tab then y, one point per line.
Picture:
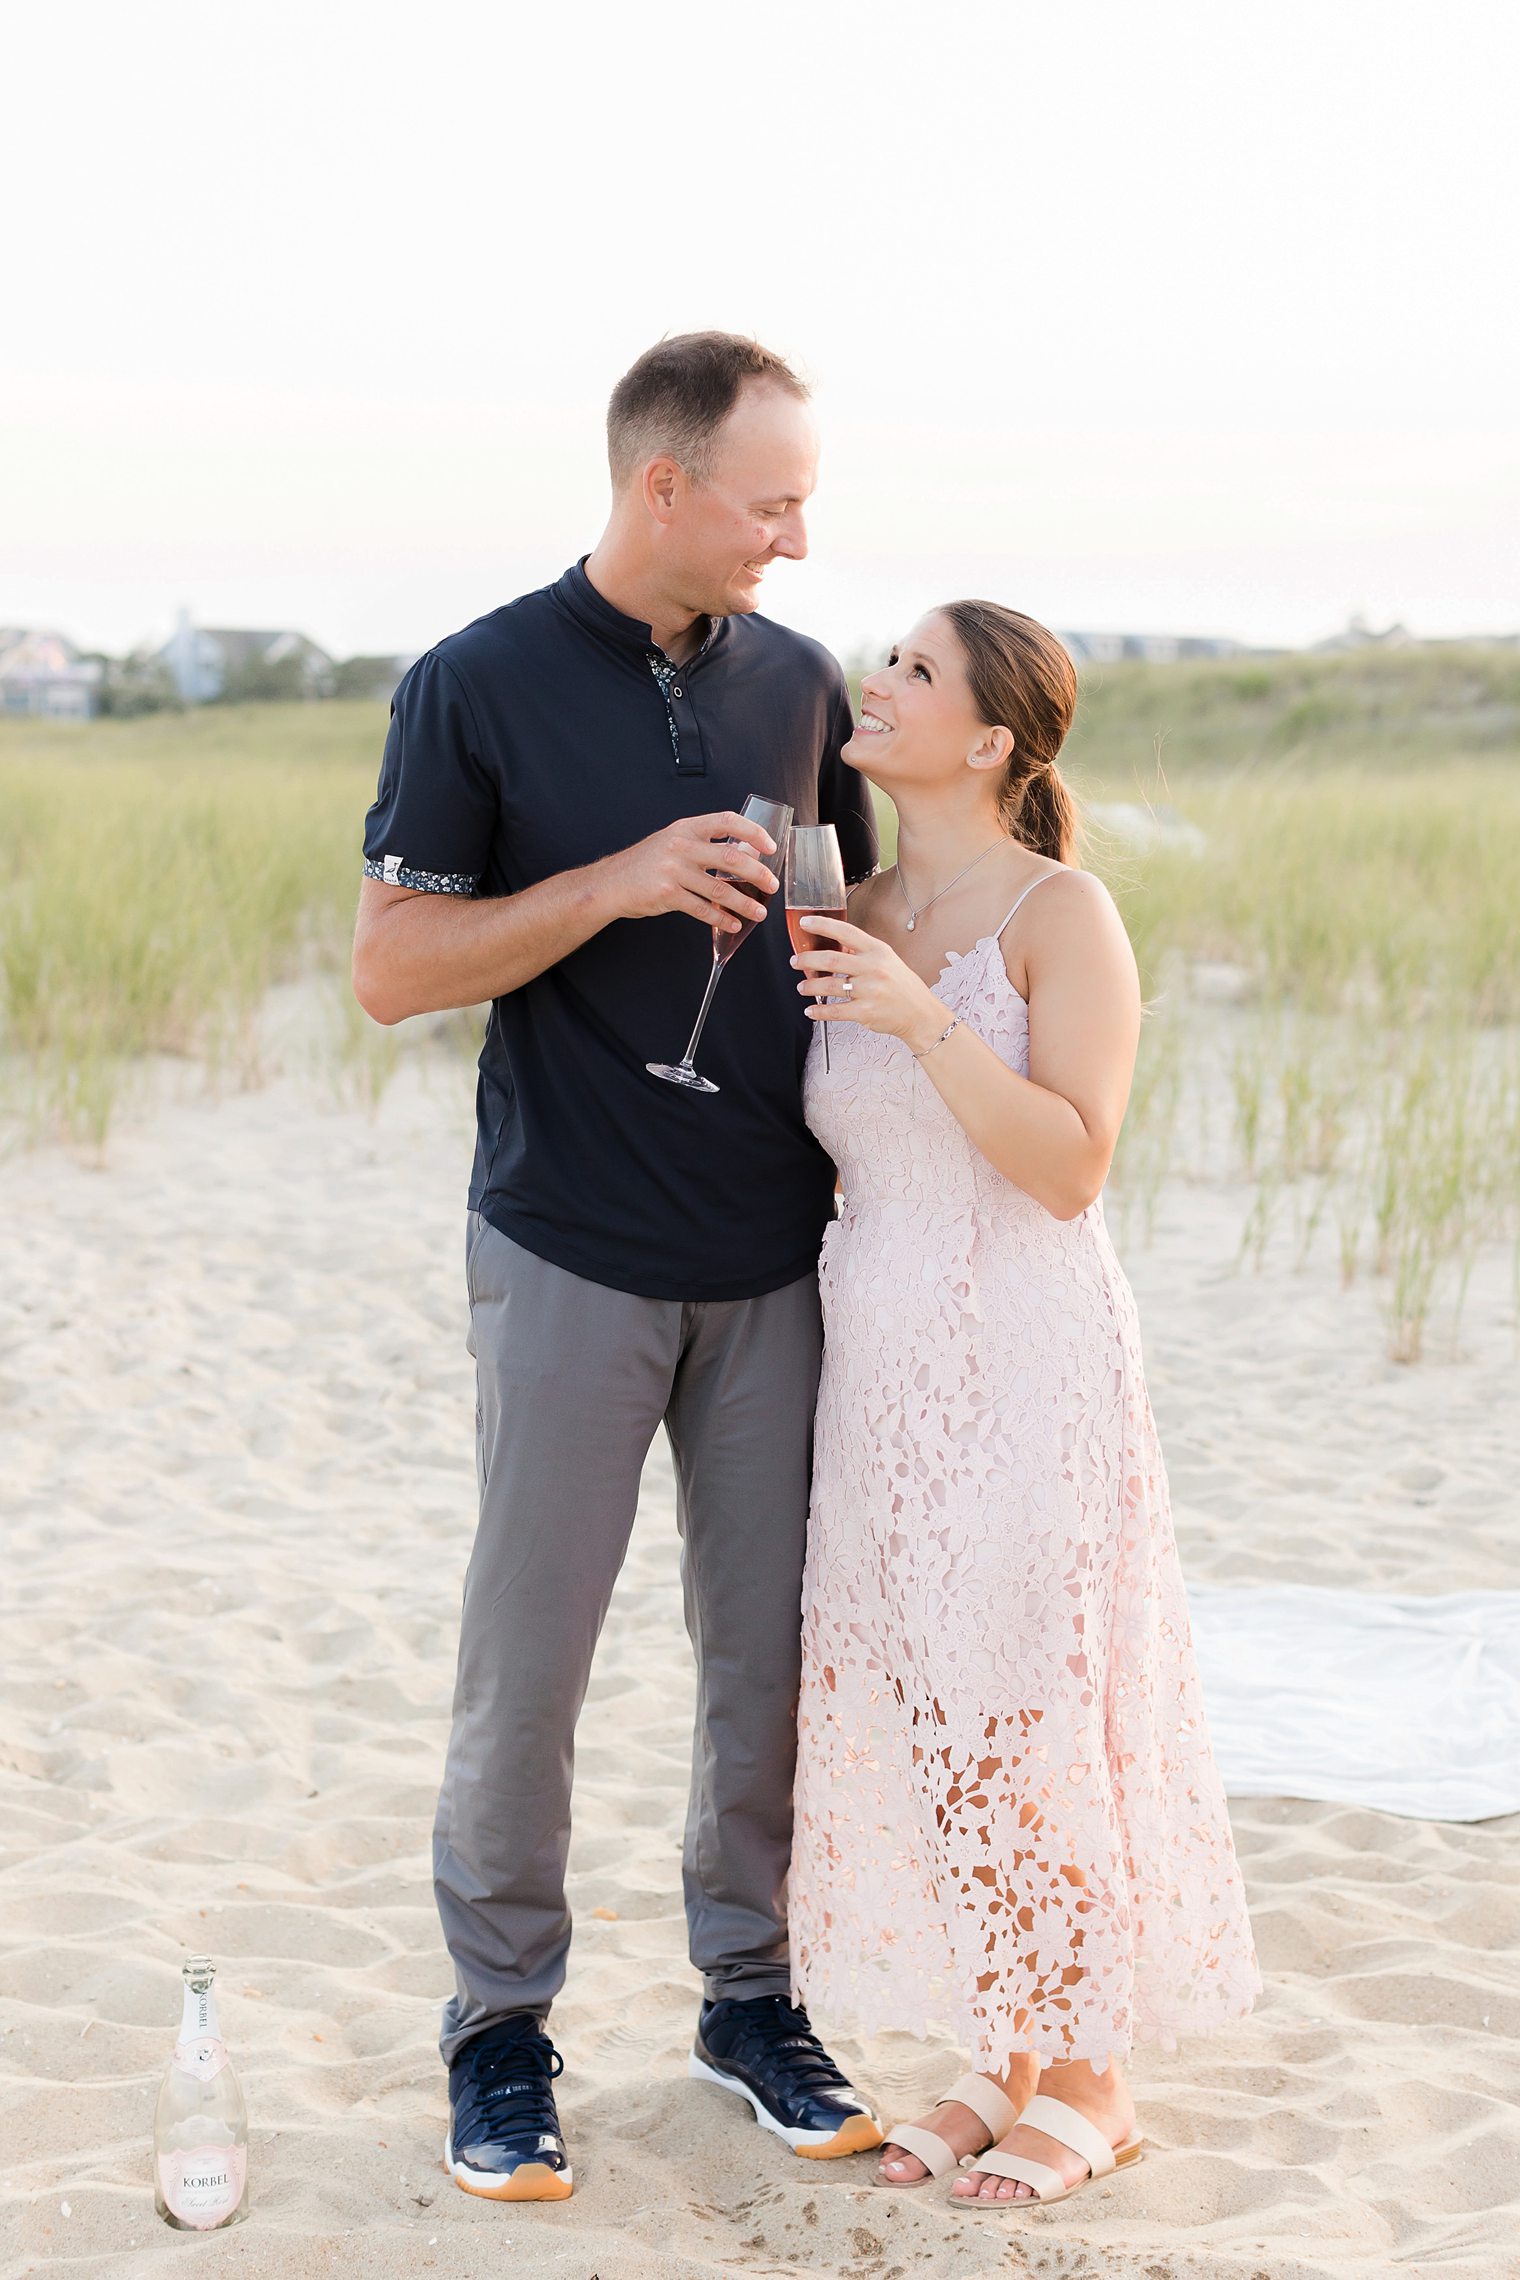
1070	898
1073	915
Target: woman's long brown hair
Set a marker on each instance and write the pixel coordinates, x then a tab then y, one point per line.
1023	680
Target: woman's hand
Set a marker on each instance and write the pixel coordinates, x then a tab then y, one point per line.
868	983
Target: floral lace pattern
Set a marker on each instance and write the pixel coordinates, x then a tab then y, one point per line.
1008	1822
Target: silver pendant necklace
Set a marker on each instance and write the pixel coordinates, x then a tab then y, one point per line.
915	915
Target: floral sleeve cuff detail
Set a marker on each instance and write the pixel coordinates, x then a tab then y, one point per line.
397	872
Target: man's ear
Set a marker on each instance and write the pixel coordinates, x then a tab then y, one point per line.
662	483
992	751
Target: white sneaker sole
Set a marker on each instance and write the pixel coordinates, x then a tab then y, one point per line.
529	2181
858	2135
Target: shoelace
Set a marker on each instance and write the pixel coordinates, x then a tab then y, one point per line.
777	2037
520	2069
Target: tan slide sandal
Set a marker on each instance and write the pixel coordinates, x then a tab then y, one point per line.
1068	2128
985	2100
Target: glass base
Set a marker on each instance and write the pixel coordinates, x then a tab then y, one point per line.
686	1077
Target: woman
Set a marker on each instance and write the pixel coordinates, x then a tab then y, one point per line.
1008	1819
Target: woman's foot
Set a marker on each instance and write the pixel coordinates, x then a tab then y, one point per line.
963	2131
1103	2099
959	2126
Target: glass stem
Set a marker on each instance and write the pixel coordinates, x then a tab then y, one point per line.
707	998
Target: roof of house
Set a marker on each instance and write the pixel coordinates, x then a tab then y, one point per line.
240	644
35	653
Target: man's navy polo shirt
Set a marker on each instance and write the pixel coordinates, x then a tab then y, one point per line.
539	740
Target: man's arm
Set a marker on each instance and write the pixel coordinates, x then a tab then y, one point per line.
419	953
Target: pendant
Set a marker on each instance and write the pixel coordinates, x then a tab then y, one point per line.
912	923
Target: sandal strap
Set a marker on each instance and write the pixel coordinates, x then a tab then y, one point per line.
995	2111
1045	2184
924	2145
1069	2128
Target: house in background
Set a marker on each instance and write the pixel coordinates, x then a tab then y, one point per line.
208	662
1146	648
1358	634
43	676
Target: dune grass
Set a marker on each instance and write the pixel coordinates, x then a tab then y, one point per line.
158	875
1339	890
1402	709
1369	926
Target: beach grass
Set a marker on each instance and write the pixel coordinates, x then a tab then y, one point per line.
1336	889
1357	885
1411	709
1366	926
159	875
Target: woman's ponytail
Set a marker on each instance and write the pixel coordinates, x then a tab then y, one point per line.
1022	679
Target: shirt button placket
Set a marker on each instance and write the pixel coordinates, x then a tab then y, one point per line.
690	758
685	736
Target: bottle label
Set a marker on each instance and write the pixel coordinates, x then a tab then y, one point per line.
203	2058
204	2185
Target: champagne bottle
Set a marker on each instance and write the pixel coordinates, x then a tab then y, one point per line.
200	2125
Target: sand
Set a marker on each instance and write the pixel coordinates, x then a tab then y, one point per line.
237	1479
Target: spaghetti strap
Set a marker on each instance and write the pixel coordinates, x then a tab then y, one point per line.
1000	931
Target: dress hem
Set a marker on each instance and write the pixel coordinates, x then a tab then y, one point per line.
996	2058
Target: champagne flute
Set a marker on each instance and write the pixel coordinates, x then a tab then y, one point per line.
814	885
775	817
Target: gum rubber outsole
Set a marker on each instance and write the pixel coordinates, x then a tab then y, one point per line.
531	2181
860	2134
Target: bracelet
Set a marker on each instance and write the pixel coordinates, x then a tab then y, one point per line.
939	1040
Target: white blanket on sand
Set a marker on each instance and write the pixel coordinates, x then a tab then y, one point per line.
1359	1698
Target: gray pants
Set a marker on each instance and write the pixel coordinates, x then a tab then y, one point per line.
574	1381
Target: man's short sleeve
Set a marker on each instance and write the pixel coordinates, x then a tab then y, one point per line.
434	819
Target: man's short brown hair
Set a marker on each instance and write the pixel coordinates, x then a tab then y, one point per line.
679	393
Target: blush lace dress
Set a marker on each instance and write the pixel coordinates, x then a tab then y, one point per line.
1009	1826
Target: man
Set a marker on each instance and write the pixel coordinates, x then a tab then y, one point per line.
559	788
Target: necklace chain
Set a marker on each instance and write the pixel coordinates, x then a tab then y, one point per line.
914	915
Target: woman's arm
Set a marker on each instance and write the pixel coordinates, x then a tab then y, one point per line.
1053	1132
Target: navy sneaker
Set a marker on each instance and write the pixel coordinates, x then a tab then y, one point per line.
504	2140
767	2051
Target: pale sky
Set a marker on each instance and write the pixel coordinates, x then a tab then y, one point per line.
1176	318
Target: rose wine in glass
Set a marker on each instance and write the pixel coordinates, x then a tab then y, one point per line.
775	817
814	887
724	945
802	937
